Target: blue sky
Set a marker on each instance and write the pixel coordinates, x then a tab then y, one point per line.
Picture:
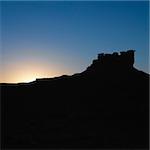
53	38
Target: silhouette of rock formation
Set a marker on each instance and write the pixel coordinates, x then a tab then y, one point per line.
105	106
124	60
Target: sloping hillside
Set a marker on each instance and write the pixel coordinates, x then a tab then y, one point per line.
106	106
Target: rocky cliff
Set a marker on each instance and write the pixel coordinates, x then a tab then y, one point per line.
106	106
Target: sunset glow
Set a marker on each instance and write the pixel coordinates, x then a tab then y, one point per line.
42	39
27	72
27	76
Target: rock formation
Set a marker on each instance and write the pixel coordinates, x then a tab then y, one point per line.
105	106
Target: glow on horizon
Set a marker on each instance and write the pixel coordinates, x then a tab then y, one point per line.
44	39
28	72
27	77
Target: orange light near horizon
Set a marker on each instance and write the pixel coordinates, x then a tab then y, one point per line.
27	77
17	77
29	71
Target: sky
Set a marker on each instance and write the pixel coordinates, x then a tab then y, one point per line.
52	38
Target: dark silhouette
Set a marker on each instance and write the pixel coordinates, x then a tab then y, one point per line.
106	106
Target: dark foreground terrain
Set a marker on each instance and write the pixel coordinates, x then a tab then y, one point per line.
106	106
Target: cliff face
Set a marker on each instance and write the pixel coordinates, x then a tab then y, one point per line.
122	61
106	106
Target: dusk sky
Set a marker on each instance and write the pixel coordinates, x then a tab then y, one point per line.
47	39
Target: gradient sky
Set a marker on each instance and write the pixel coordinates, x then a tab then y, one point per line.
46	39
